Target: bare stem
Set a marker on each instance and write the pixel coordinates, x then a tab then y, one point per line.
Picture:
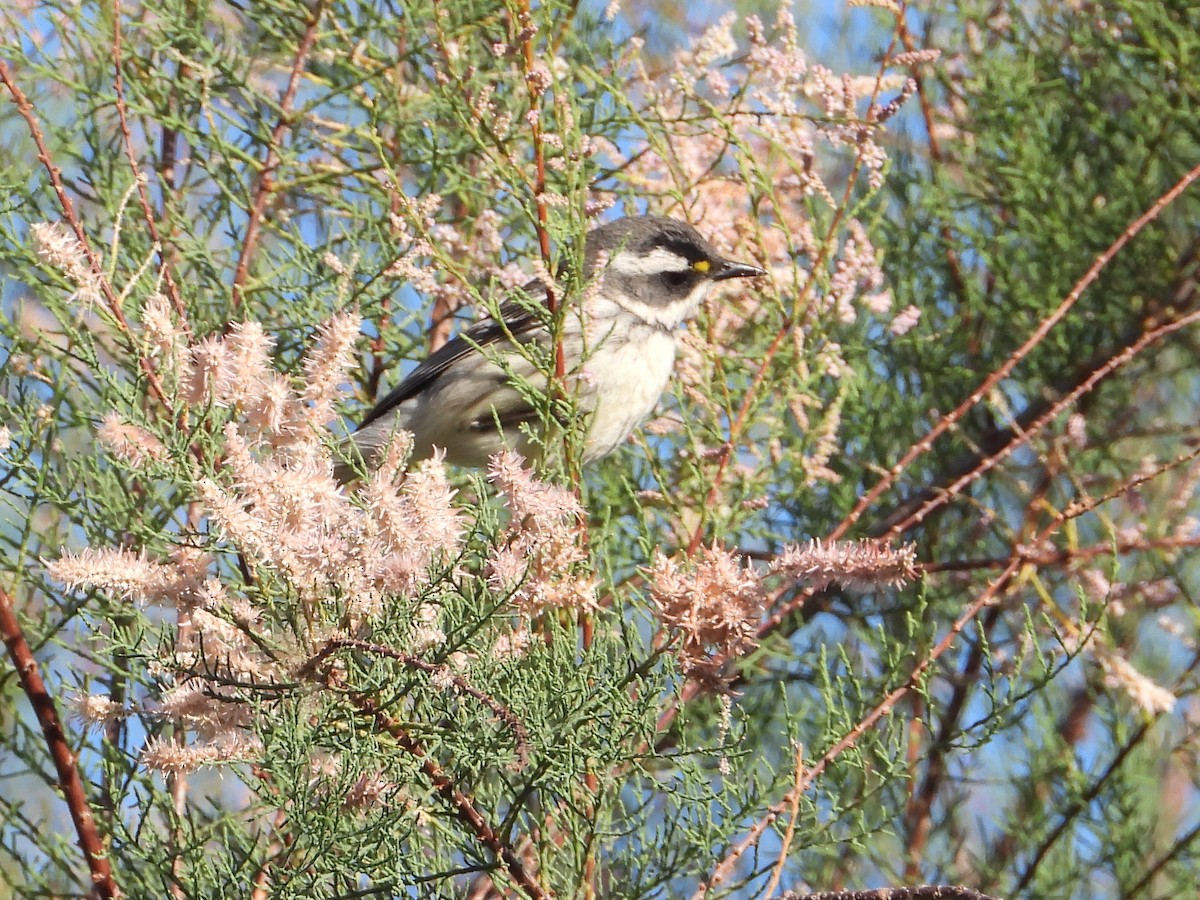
69	780
25	108
266	180
143	197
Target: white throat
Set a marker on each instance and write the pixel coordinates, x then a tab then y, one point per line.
667	315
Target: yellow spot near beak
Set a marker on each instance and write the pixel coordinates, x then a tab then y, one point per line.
702	265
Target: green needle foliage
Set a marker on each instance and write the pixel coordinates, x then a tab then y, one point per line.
895	588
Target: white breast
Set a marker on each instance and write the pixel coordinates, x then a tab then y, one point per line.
629	380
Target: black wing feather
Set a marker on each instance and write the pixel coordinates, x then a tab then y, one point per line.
515	319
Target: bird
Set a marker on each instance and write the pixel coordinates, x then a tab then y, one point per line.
647	276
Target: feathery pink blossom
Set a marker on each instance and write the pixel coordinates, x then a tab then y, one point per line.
59	248
131	443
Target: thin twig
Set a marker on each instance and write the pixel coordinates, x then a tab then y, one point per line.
499	710
112	298
462	805
951	419
69	780
266	180
143	197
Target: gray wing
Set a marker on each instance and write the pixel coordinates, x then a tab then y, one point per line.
515	319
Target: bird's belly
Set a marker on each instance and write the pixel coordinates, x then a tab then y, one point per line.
629	380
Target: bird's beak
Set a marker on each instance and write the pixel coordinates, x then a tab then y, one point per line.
729	269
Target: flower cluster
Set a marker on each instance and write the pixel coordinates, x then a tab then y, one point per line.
59	248
219	641
715	603
537	561
273	499
348	555
279	502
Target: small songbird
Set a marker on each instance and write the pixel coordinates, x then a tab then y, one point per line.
618	347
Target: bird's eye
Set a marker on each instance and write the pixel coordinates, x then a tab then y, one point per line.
675	279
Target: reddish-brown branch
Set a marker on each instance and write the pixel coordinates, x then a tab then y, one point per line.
25	108
143	197
441	322
69	781
951	419
1071	555
441	317
498	709
988	463
918	814
462	805
266	180
924	892
523	26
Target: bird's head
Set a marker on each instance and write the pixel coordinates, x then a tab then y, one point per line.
657	268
